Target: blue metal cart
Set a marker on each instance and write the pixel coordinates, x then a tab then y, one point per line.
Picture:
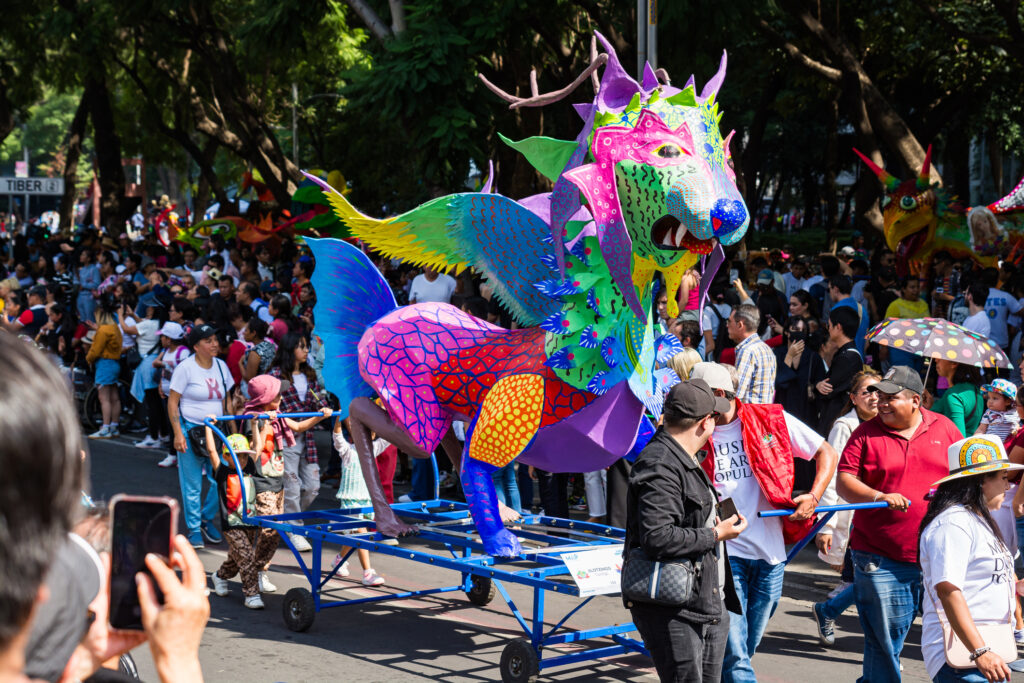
447	528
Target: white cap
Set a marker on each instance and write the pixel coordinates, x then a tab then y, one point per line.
172	330
714	374
120	269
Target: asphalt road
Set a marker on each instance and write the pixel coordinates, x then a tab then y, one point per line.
445	637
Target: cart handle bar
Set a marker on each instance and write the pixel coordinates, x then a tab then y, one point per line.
828	508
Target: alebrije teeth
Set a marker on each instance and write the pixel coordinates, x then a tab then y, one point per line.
608	352
562	359
599	384
556	323
588	338
594	303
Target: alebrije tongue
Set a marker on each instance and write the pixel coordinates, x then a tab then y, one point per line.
709	267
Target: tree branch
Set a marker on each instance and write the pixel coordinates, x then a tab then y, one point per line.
397	16
829	73
373	22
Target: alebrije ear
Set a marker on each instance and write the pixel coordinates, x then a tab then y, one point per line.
617	86
890	181
923	180
716	81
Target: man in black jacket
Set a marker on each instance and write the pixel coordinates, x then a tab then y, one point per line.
671	514
834	390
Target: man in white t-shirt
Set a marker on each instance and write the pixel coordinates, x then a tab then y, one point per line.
431	285
977	321
998	306
748	471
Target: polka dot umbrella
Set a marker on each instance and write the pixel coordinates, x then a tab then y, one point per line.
938	338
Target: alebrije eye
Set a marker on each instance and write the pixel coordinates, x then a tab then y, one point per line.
908	203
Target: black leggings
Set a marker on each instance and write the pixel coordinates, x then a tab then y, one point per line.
156	409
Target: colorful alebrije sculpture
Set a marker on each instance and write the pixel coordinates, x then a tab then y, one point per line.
920	218
646	186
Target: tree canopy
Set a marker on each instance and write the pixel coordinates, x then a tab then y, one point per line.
388	92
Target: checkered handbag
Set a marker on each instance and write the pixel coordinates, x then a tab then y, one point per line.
669	583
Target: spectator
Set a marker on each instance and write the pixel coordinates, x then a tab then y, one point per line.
752	451
199	387
966	566
977	320
892	458
840	291
754	360
716	313
846	363
88	279
945	283
770	302
300	393
833	539
796	278
248	294
1000	418
145	381
671	515
801	305
284	322
909	305
998	306
40	489
883	290
174	351
431	285
105	357
961	402
32	318
258	359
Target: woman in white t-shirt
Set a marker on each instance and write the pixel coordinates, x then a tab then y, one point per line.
966	568
199	388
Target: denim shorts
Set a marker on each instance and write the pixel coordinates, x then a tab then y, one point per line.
107	371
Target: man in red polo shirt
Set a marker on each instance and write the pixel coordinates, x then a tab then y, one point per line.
893	457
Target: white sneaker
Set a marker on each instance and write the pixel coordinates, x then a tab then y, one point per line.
405	498
265	585
343	569
300	543
371	578
148	442
220	586
169	461
254	602
114	432
101	433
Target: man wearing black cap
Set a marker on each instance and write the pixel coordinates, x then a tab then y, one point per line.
32	318
671	514
892	458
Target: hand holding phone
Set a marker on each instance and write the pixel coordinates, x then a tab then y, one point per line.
727	508
139	526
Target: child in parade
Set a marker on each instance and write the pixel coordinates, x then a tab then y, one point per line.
250	548
1000	418
352	493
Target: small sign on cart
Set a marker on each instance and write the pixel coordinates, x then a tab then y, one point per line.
596	572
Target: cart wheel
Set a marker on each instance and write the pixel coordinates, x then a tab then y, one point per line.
519	662
482	590
299	610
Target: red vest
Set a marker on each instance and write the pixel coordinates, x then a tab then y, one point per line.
766	441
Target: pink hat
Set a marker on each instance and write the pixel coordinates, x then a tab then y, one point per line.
262	390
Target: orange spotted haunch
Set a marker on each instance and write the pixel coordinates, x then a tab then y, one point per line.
509	419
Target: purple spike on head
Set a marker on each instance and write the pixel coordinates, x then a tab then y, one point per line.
716	81
650	81
617	86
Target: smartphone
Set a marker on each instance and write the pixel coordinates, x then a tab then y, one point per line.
727	508
138	525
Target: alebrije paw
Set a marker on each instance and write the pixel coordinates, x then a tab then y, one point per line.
502	544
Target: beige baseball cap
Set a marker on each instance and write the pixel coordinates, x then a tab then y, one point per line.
714	374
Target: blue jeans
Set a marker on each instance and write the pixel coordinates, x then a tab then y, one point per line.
190	476
422	480
758	587
888	596
948	674
833	607
506	486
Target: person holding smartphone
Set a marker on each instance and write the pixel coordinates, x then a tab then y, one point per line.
671	515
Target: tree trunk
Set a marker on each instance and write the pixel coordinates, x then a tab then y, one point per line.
76	132
6	114
750	160
995	162
831	164
108	156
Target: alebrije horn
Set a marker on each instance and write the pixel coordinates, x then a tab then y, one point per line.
923	180
888	179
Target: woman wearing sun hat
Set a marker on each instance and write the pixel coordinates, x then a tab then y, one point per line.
968	605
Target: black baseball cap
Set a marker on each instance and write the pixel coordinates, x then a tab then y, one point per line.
898	378
694	398
201	332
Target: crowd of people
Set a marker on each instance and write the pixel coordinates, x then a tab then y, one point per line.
782	404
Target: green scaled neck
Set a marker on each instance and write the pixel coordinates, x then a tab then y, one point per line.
594	321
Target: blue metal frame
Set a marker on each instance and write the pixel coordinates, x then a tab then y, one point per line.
829	510
449	524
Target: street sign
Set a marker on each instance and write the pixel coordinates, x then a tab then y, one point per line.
32	186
